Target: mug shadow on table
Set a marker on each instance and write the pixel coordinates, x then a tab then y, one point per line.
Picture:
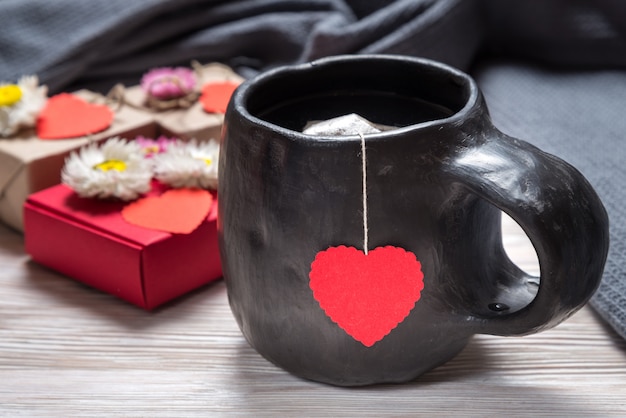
446	389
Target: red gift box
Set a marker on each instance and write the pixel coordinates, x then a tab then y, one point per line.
89	240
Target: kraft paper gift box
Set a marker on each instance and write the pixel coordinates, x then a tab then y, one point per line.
29	164
194	121
89	240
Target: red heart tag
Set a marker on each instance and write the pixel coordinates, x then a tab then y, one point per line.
68	116
215	96
367	295
179	211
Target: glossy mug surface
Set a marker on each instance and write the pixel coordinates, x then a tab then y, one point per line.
302	285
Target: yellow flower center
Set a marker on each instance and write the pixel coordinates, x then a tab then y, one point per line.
207	161
107	165
10	94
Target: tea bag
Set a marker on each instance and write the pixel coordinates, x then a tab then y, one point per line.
350	124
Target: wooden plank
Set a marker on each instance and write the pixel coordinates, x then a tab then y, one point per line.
68	350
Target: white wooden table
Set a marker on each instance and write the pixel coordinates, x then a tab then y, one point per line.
67	351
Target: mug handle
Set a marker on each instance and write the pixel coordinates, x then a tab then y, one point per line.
561	214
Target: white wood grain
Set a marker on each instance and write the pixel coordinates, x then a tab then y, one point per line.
67	350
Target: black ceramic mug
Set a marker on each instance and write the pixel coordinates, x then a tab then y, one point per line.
425	199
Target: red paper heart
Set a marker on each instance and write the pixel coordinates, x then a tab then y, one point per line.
179	211
215	96
68	116
367	295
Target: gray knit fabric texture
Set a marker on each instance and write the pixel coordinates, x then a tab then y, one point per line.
552	70
581	117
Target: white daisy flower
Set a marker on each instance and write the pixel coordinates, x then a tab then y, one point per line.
188	164
116	169
20	104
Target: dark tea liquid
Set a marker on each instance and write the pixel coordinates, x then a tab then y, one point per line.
377	107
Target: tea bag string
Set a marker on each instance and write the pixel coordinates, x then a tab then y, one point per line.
364	176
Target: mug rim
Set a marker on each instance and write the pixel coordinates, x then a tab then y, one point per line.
247	88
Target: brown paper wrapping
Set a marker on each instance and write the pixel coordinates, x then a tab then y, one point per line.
192	122
29	164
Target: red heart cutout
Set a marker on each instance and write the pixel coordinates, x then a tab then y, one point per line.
367	295
179	211
68	116
215	96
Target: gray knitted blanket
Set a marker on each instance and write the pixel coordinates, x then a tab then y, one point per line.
552	70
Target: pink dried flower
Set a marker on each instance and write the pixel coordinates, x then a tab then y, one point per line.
168	83
151	146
